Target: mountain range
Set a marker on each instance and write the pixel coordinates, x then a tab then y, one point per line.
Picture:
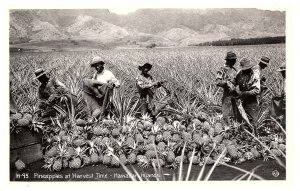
164	27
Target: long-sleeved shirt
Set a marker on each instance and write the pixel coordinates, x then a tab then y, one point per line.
53	86
145	86
106	76
249	84
225	74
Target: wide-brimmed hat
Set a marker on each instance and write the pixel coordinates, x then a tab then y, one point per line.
281	67
146	65
96	61
246	64
39	72
265	60
230	56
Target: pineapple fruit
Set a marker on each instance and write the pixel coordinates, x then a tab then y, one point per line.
20	165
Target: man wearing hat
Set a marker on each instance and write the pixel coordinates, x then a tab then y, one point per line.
146	87
263	63
50	93
248	88
225	76
278	103
98	90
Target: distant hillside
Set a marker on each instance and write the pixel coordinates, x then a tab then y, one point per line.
164	27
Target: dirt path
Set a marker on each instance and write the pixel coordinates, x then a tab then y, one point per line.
35	172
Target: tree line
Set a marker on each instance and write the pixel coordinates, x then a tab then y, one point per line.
249	41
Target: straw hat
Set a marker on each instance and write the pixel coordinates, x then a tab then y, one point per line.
96	61
245	64
281	67
39	72
230	56
265	60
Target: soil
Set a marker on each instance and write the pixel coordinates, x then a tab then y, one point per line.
35	172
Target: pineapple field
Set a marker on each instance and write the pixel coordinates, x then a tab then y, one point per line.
184	138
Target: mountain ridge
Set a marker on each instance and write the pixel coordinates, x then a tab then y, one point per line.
164	27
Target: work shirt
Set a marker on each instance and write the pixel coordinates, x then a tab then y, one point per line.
263	85
53	86
250	84
144	86
106	76
224	74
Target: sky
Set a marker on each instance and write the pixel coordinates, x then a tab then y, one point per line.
126	10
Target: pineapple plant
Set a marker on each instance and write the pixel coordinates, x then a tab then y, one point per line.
232	151
218	128
70	151
197	137
109	124
161	146
276	152
130	141
28	116
255	153
205	139
81	122
218	139
115	162
206	126
23	122
169	127
159	137
57	165
197	123
170	156
208	160
20	165
16	116
76	161
273	144
146	133
211	132
107	160
147	125
167	135
115	132
149	146
123	159
52	152
158	162
93	152
186	136
282	147
150	154
94	158
98	140
105	132
248	155
65	163
139	138
195	160
161	121
78	142
143	161
97	130
101	156
132	158
176	137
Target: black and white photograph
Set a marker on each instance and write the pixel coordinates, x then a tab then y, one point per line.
148	94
